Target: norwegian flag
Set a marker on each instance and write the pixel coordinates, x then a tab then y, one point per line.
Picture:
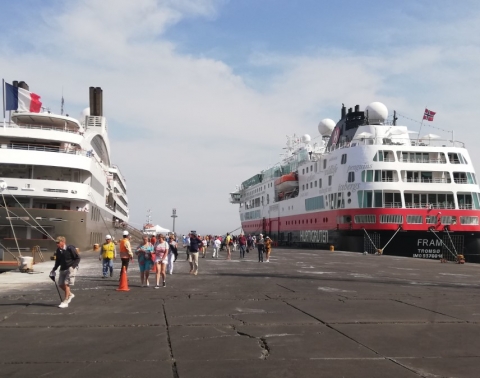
428	115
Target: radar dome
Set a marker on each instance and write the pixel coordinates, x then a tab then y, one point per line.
326	126
306	138
85	112
377	112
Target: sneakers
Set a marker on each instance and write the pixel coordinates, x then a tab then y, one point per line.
64	304
195	273
111	274
164	284
148	284
157	287
70	298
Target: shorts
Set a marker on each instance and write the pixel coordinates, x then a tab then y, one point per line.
67	277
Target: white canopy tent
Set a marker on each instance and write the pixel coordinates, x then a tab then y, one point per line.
156	230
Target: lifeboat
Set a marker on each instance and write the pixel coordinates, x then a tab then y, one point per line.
286	183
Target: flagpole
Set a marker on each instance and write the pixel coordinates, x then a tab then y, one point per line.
3	92
421	124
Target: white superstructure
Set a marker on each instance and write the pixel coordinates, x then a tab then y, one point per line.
59	169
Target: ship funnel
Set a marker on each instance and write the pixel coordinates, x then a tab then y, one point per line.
96	101
357	108
21	84
344	111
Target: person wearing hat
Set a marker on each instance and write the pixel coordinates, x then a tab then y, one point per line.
67	258
126	253
268	247
261	247
107	254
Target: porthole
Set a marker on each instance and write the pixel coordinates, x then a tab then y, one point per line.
348	194
349	200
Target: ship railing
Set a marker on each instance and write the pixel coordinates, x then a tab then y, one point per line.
422	160
46	148
45	128
429	180
389	179
429	205
393	205
461	181
467	206
380	141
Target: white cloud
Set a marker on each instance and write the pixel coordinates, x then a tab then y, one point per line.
207	129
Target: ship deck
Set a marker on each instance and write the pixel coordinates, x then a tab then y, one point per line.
305	314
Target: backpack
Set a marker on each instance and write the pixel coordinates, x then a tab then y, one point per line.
174	249
73	252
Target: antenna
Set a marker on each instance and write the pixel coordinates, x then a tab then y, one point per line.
61	107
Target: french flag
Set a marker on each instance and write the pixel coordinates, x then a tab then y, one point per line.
22	100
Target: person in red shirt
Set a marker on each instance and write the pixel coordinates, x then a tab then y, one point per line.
153	240
242	241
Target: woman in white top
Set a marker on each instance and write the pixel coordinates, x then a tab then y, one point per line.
161	259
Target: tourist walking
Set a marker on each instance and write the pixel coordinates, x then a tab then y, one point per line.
249	242
216	247
260	246
242	242
144	257
204	247
187	245
126	254
268	247
195	245
172	254
228	240
108	253
161	259
67	258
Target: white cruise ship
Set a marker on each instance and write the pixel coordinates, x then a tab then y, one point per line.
367	185
60	180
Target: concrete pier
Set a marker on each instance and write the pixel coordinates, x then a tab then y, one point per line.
304	314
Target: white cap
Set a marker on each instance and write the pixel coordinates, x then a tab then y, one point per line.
125	233
108	237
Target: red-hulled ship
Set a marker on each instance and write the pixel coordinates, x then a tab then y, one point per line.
367	186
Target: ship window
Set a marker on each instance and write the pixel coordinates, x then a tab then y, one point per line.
430	219
311	168
303	171
351	176
414	219
367	218
311	185
268	199
325	164
391	218
465	201
303	187
344	159
329	180
314	203
469	220
316	183
378	198
456	158
320	183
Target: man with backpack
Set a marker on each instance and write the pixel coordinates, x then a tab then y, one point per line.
67	258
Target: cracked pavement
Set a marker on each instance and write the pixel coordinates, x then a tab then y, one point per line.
306	314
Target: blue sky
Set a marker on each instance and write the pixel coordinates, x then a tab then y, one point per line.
218	84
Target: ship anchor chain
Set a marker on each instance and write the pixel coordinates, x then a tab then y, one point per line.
380	250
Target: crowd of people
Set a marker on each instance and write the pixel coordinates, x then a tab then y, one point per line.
156	254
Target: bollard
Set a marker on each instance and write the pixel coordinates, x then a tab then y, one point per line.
332	248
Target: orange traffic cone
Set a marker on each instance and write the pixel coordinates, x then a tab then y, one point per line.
123	286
